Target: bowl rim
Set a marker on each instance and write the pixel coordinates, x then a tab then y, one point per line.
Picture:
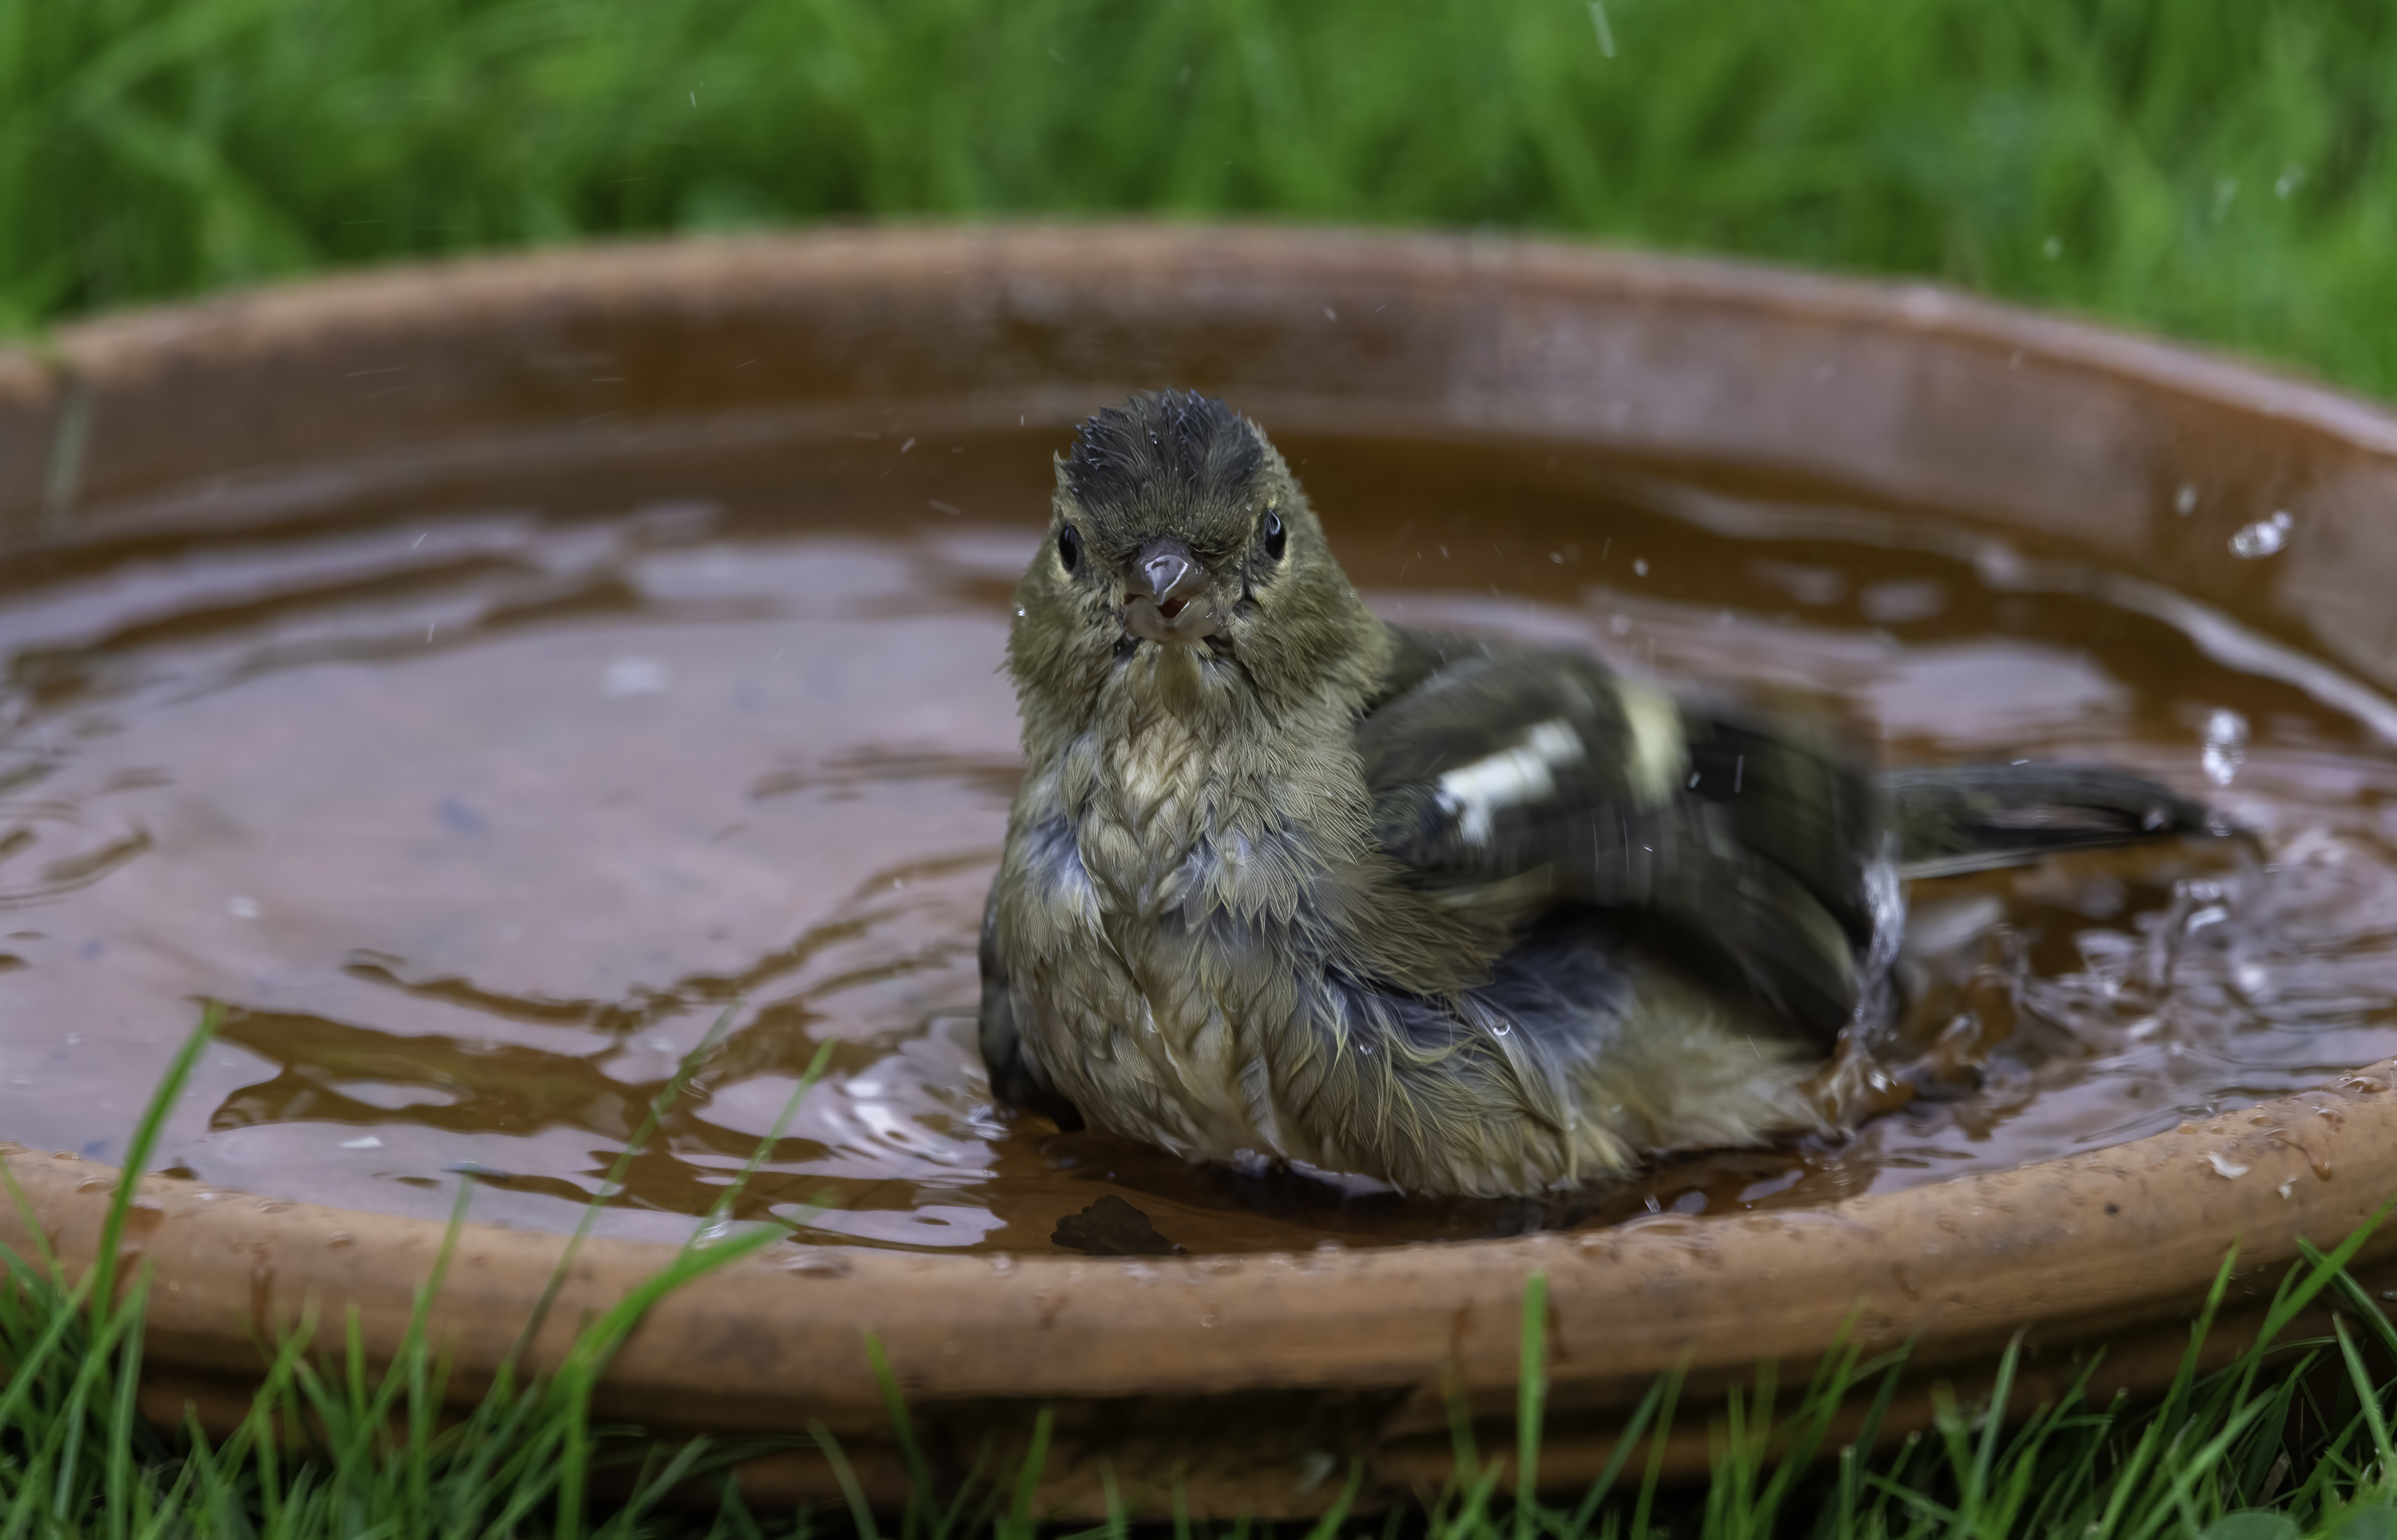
2075	1249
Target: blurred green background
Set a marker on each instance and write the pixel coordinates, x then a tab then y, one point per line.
2218	170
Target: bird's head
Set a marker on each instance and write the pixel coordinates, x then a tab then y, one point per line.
1183	565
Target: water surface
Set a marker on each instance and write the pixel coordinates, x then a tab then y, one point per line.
479	809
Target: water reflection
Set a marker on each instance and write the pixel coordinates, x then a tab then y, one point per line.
482	816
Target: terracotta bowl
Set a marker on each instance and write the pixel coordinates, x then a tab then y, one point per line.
1259	1380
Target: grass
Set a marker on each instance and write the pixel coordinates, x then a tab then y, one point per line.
2291	1438
2221	169
2218	170
378	1453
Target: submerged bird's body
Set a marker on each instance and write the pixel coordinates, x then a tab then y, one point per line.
1282	879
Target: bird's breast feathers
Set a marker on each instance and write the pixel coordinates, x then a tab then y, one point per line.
1152	937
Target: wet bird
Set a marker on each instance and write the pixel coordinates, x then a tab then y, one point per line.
1284	881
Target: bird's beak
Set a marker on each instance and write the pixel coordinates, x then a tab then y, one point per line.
1164	588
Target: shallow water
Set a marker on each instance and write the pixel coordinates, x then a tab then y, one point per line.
480	808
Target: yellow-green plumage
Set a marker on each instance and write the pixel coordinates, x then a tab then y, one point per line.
1284	880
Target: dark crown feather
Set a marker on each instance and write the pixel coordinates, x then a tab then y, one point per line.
1175	443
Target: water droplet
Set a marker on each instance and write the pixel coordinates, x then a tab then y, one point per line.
1002	1264
632	676
2264	537
2185	500
812	1262
2224	1167
2226	746
2052	248
1640	567
365	1141
339	1238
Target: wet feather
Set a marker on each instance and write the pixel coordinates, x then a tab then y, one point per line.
1282	879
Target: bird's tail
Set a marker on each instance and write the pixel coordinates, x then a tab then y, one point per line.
1971	818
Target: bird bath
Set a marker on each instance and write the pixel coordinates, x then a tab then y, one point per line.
503	613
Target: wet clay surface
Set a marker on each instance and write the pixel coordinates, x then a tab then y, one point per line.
479	809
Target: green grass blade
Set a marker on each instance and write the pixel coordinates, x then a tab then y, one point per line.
136	1156
860	1512
1646	1504
610	1184
1531	1399
1634	1425
2368	1396
1035	1462
126	1395
920	1472
810	1077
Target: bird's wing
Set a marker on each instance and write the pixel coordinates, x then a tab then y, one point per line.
1972	818
1502	774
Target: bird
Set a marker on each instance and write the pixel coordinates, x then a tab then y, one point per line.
1285	882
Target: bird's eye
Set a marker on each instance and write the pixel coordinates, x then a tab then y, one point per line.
1277	538
1069	547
